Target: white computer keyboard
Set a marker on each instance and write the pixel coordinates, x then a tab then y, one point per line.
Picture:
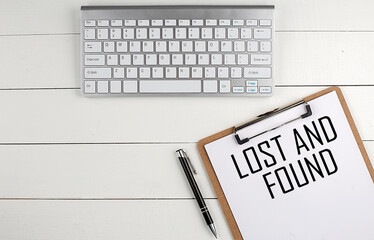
177	50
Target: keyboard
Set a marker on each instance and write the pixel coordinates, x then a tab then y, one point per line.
177	50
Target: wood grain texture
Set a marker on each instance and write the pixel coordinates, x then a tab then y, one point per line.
109	220
56	17
306	58
101	171
59	116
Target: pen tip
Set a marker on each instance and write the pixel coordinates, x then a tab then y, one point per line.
213	229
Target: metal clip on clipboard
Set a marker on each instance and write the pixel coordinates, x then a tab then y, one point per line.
268	115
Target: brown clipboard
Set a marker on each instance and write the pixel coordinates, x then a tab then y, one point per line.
214	180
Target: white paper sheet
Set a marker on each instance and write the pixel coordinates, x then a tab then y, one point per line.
336	206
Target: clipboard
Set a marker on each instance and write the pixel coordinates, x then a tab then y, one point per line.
240	140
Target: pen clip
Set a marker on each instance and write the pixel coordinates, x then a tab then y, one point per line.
182	153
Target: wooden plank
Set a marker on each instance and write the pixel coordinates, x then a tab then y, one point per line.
65	116
98	171
51	17
324	58
135	171
87	220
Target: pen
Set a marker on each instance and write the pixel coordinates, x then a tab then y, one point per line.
187	165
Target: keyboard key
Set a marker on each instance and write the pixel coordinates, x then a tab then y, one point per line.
115	33
131	73
157	23
102	87
111	60
177	59
224	86
143	23
148	46
171	72
203	59
197	72
184	22
243	59
170	22
265	22
145	72
184	72
200	46
130	23
118	72
251	22
141	33
223	72
210	86
251	83
138	59
170	86
125	59
116	23
265	46
224	22
238	89
265	89
213	46
121	46
157	72
237	22
134	46
262	33
233	33
239	46
98	73
181	33
167	33
210	72
151	59
193	33
164	59
154	33
103	23
92	47
190	59
260	59
197	22
216	59
174	46
226	46
252	46
251	89
115	86
211	22
90	23
128	33
89	34
160	46
220	33
245	33
94	60
257	72
89	87
236	72
130	86
207	33
108	47
102	33
230	59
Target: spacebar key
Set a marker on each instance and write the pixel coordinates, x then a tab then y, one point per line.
170	86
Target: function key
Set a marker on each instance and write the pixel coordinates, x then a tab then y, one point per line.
224	22
183	22
90	23
211	22
143	23
156	22
103	23
238	22
116	23
251	22
197	22
170	22
130	23
265	22
265	89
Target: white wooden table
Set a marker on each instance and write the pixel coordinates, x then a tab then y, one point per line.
79	168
